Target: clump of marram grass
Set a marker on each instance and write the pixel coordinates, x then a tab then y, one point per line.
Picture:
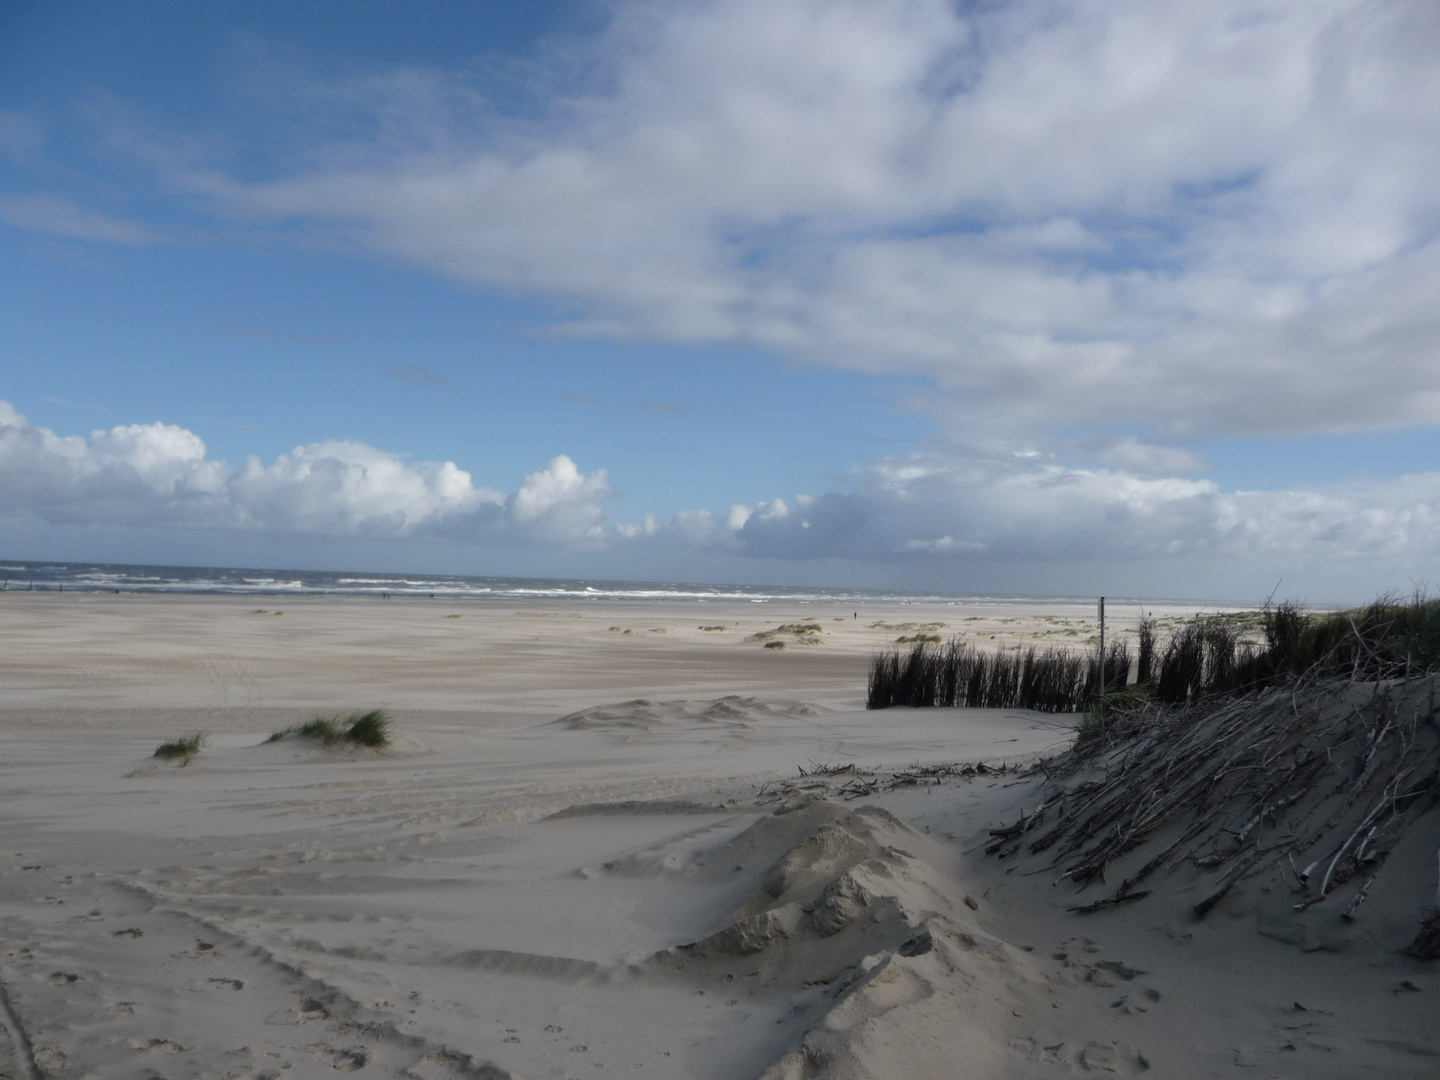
774	644
370	729
326	729
806	633
182	749
911	639
721	629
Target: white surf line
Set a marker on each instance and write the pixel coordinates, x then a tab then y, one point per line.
24	1054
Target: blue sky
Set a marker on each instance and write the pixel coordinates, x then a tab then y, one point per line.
1040	297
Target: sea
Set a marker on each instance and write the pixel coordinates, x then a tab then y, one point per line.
109	577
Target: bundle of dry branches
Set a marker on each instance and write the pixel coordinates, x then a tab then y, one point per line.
1320	778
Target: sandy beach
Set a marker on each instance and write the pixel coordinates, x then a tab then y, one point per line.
608	837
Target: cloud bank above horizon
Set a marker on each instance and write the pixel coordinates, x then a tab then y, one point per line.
927	509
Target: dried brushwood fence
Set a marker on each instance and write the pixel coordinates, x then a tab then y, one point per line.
1318	780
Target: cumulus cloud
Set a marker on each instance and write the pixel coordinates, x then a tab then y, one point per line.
942	519
159	475
941	507
1210	217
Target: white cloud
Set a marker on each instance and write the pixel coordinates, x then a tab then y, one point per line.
21	135
159	475
61	217
1131	455
1201	217
559	504
1018	510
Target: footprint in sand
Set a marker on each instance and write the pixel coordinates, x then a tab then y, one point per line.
345	1060
217	984
350	1060
310	1009
1111	1058
159	1046
50	1060
64	978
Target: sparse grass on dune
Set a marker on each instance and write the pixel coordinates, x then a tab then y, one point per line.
182	749
806	633
326	730
370	729
922	627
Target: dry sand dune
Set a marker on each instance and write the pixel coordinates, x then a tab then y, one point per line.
587	853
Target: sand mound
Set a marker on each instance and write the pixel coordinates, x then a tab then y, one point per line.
642	714
852	920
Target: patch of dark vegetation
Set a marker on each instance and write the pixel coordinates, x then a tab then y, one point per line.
1205	657
182	749
959	675
370	729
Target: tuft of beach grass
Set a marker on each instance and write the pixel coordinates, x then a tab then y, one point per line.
181	749
370	729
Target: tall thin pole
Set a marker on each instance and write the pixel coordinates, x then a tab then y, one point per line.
1102	646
